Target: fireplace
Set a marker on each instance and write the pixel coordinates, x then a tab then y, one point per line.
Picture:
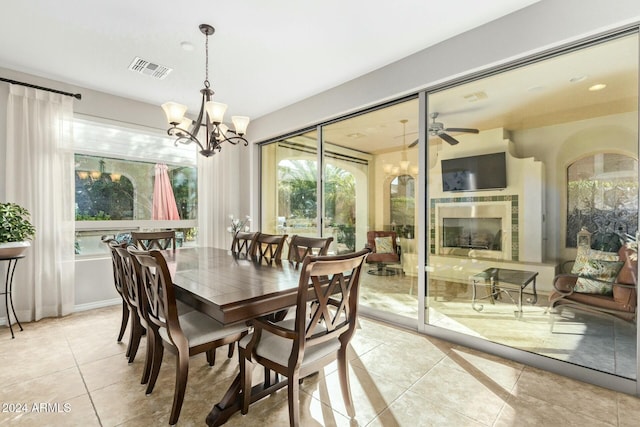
472	233
475	228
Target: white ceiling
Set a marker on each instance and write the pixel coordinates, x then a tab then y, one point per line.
264	55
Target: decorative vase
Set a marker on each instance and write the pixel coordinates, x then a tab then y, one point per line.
13	249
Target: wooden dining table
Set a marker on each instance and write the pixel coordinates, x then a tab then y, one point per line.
232	289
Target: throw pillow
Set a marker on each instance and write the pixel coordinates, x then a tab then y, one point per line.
384	245
582	257
597	276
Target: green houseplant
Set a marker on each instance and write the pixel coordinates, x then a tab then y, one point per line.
16	229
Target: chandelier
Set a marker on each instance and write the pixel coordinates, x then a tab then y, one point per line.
404	166
211	116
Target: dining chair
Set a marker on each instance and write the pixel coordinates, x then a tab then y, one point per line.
184	335
318	335
243	242
268	247
139	323
147	240
117	281
301	246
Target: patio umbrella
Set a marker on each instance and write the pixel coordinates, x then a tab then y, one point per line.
164	202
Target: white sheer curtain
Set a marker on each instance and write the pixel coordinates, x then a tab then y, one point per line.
40	177
218	195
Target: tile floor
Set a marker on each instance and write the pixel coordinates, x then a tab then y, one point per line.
71	372
600	342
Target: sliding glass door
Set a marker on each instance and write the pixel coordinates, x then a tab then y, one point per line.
533	172
368	172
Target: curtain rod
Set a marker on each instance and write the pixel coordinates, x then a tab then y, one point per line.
75	95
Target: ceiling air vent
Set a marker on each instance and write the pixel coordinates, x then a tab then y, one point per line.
142	66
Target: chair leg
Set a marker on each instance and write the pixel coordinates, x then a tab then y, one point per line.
148	360
134	337
182	372
124	321
293	389
343	375
211	357
246	371
158	353
232	346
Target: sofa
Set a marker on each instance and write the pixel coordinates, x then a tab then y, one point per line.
621	301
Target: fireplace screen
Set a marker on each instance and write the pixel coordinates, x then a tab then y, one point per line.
472	233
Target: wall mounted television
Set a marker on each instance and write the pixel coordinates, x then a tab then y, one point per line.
475	173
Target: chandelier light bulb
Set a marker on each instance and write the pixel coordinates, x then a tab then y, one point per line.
174	111
240	124
216	111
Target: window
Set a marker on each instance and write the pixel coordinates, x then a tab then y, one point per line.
131	179
602	196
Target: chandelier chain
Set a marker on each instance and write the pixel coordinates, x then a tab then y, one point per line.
206	61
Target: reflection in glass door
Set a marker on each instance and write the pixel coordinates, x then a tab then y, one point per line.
548	185
369	168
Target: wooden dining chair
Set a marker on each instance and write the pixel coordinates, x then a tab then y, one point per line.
117	281
318	335
139	321
183	335
147	240
243	242
268	247
301	246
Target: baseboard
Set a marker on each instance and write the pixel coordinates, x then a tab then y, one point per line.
97	304
81	307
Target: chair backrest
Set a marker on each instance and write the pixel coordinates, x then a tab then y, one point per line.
115	261
383	246
243	242
157	288
147	240
332	282
268	247
131	290
301	246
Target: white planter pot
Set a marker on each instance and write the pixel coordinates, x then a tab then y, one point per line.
13	249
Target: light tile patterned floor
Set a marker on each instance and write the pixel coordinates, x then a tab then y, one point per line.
71	372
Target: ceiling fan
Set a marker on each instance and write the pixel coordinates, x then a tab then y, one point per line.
438	129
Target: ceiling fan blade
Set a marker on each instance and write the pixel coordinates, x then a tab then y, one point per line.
451	140
414	143
467	130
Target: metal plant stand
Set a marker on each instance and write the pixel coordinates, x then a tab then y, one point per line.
8	285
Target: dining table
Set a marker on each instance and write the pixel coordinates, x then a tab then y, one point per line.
232	289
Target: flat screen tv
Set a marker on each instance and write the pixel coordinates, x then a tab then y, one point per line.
484	172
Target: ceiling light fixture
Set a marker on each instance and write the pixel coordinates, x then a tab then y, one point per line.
403	166
597	87
211	116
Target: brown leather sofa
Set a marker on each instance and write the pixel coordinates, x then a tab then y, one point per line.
621	304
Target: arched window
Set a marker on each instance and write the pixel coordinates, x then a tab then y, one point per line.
602	195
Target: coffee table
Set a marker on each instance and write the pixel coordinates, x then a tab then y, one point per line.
503	280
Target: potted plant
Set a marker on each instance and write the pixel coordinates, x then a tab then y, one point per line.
16	230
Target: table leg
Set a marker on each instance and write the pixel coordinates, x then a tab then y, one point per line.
231	402
474	304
